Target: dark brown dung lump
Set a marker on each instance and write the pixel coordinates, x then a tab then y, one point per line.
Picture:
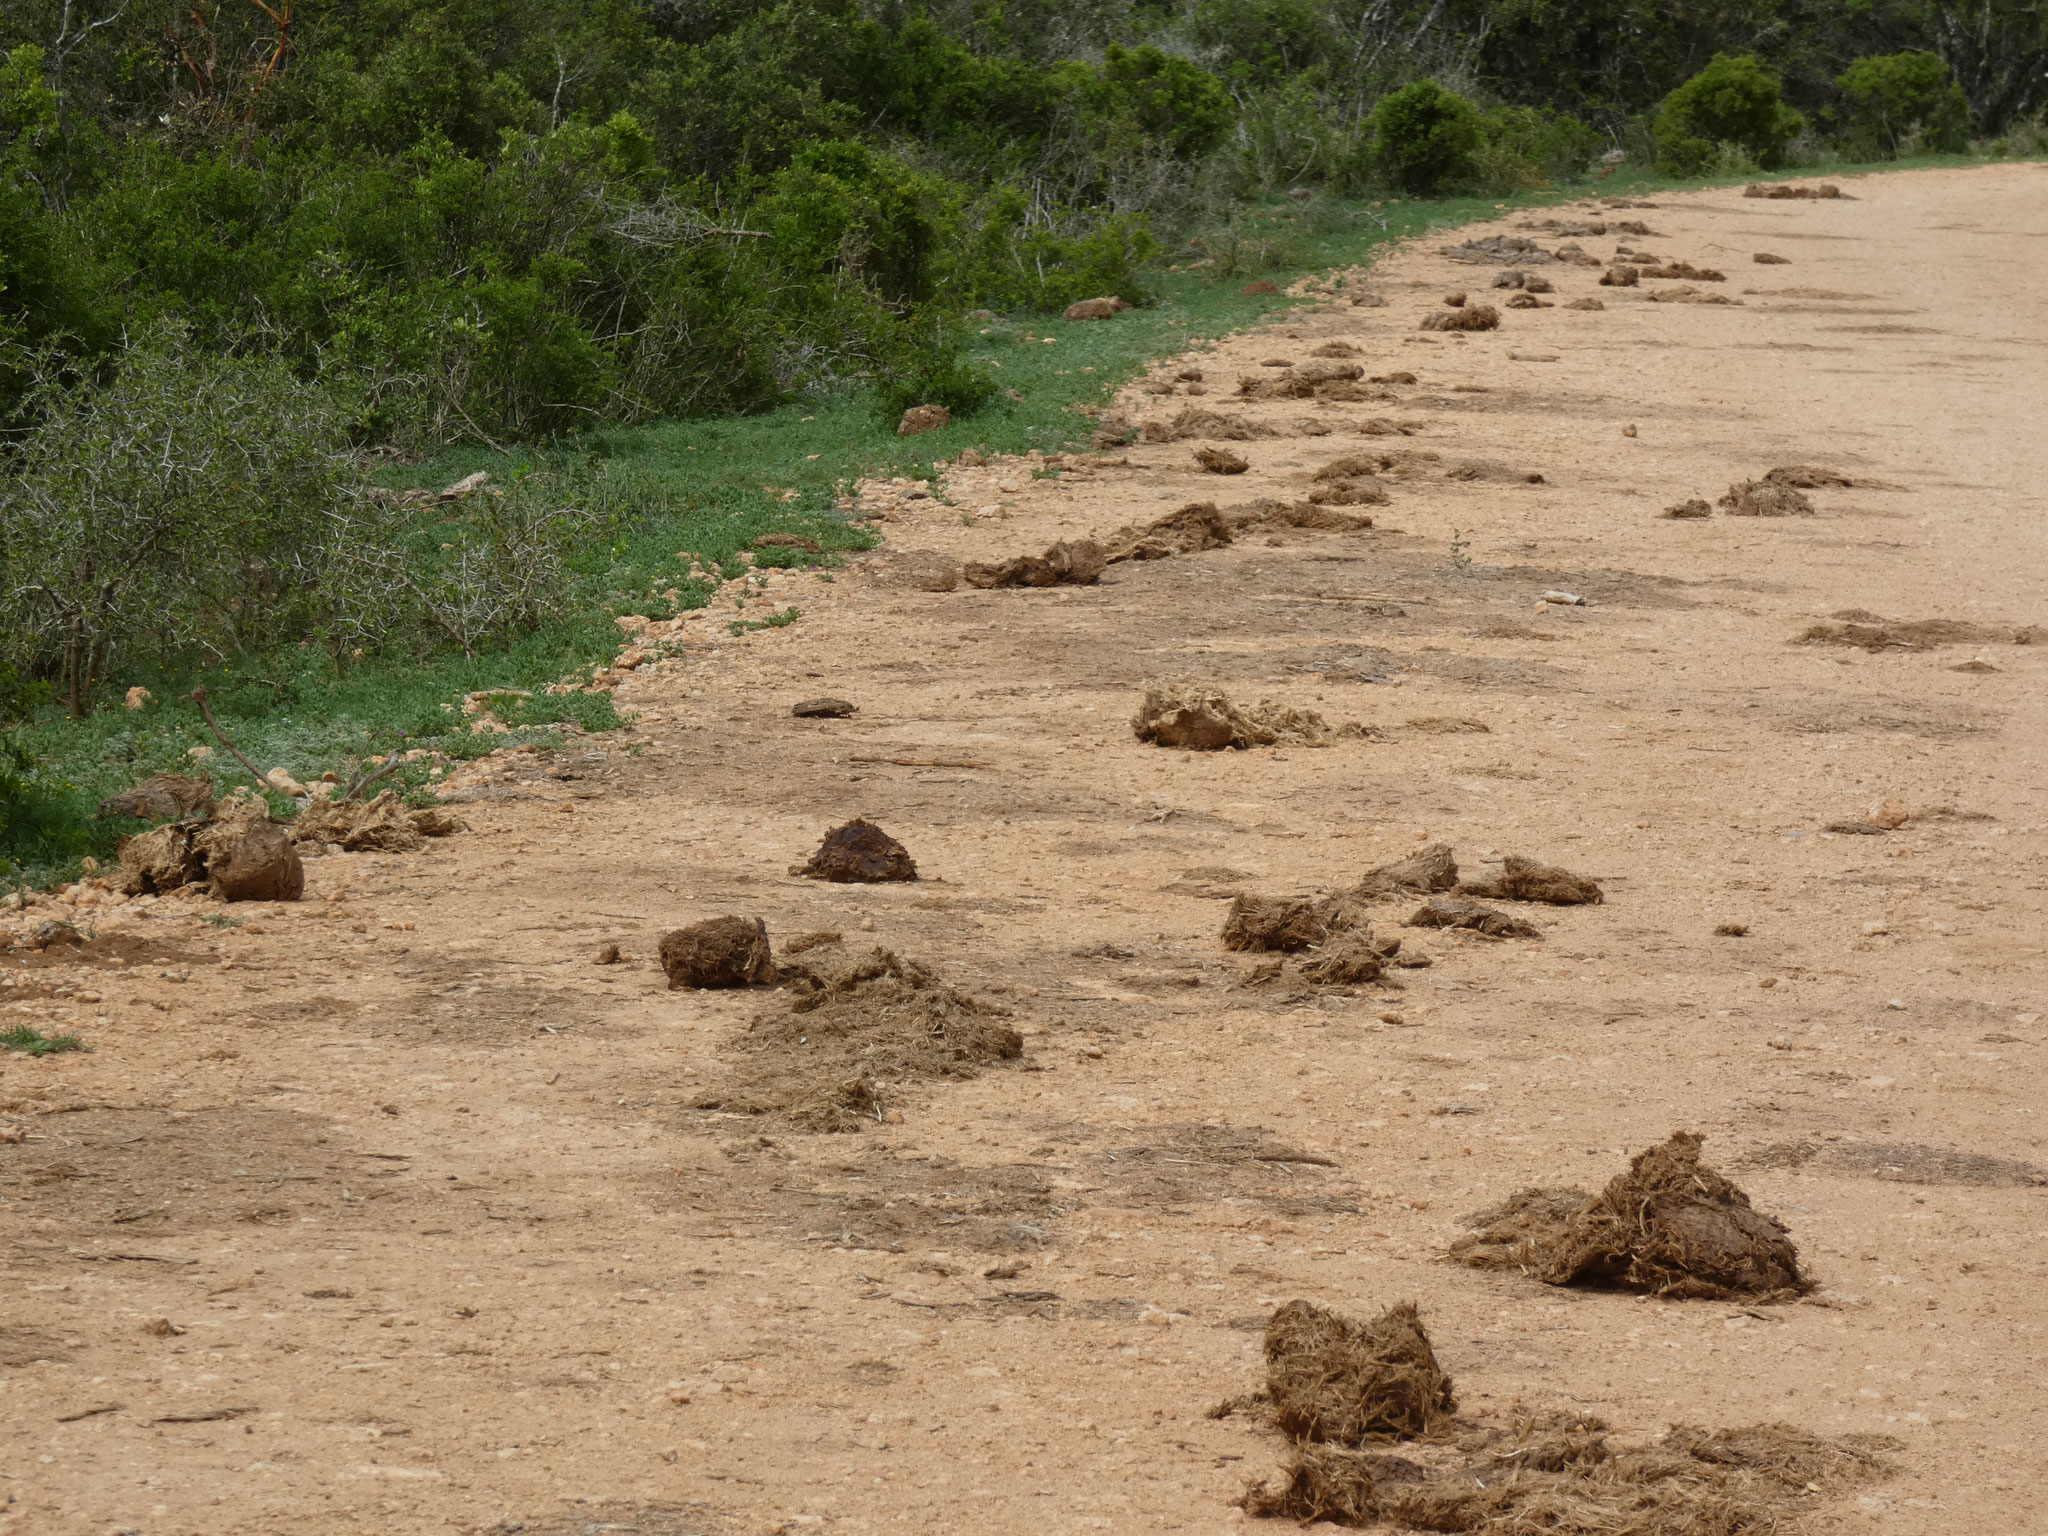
719	952
1765	498
1674	1227
1670	1226
1523	879
380	825
859	853
247	856
1265	923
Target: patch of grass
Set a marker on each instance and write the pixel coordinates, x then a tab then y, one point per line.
782	620
33	1042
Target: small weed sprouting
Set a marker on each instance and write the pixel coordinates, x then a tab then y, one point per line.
31	1041
221	920
1461	553
781	620
968	519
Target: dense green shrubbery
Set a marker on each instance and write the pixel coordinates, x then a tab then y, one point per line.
1888	98
1733	101
1427	138
164	508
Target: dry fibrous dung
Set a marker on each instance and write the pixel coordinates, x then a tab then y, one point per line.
1473	917
1430	868
1332	1378
1765	498
1195	527
1523	879
859	1024
718	952
1559	1474
1471	317
1870	632
1670	1225
1069	563
379	825
160	795
1196	717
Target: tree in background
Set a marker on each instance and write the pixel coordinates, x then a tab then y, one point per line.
1999	52
1734	100
1889	97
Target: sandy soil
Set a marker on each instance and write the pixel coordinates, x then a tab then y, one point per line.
389	1210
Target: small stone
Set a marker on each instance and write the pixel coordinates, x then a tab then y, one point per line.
1888	813
1565	599
1897	1004
282	780
823	709
137	698
1629	430
1875	930
607	954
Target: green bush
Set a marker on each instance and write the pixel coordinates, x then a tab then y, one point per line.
1528	147
1734	100
932	375
1426	138
1888	97
162	510
41	822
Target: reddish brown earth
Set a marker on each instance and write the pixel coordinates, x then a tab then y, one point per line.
390	1211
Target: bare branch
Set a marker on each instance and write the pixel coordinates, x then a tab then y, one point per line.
199	698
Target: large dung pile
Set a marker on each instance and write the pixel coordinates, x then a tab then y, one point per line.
1335	1387
859	853
1179	712
1670	1226
1765	498
1331	930
859	1024
1332	1378
237	850
718	952
1195	527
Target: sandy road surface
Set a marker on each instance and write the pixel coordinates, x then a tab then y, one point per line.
443	1246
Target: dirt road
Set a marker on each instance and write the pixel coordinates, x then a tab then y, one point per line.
390	1210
